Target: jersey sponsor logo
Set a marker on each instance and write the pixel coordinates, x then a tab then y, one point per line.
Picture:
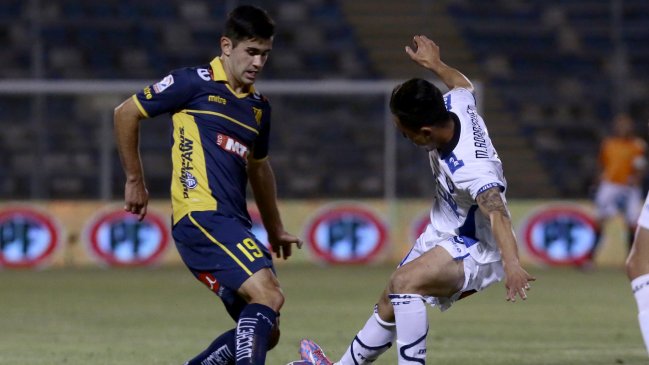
448	198
257	112
232	145
216	99
445	193
204	74
559	234
28	237
189	180
163	84
453	163
186	147
117	238
346	234
147	93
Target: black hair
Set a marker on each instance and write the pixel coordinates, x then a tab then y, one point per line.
418	103
248	22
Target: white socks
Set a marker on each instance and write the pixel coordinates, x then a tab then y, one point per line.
374	339
412	327
640	286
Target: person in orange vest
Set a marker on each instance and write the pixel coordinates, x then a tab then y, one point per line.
622	161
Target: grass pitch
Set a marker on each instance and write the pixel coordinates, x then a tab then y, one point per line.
164	316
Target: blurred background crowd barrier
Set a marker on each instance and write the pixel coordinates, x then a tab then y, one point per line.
551	74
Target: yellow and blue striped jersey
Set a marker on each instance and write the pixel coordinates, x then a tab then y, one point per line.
215	132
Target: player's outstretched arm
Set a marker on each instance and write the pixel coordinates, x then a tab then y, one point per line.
262	181
426	53
517	280
126	122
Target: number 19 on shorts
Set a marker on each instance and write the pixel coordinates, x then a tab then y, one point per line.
250	249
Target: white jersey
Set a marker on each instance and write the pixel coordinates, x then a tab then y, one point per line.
469	166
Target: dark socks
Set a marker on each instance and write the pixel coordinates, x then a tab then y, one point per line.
252	333
220	352
245	345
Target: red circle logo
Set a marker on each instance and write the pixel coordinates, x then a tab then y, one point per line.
560	235
117	238
346	234
28	237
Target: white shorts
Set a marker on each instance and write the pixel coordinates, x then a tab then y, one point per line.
613	198
477	276
643	220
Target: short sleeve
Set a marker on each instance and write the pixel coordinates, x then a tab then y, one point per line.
260	149
476	176
167	95
458	96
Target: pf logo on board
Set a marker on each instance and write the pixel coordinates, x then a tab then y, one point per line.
117	238
28	237
559	235
346	234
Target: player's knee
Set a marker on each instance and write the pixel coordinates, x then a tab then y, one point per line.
385	311
268	294
271	298
635	267
400	283
274	298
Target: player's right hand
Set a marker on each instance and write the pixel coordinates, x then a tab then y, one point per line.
136	198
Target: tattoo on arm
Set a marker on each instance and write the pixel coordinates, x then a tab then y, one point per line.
491	200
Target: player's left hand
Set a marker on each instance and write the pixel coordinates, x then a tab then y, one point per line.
424	51
282	245
517	282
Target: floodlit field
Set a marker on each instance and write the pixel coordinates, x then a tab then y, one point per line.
164	316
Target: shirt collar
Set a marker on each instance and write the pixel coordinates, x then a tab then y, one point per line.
218	74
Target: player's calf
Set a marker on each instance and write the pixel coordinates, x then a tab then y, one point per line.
412	327
253	333
372	341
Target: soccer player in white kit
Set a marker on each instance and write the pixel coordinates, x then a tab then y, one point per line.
469	243
637	270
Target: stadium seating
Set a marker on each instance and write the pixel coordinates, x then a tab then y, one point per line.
551	63
123	39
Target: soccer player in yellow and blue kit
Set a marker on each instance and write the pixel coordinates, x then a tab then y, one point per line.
220	141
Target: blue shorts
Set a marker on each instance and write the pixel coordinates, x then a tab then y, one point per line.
221	252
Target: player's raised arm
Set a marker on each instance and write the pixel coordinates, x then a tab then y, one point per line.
426	53
126	121
492	204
